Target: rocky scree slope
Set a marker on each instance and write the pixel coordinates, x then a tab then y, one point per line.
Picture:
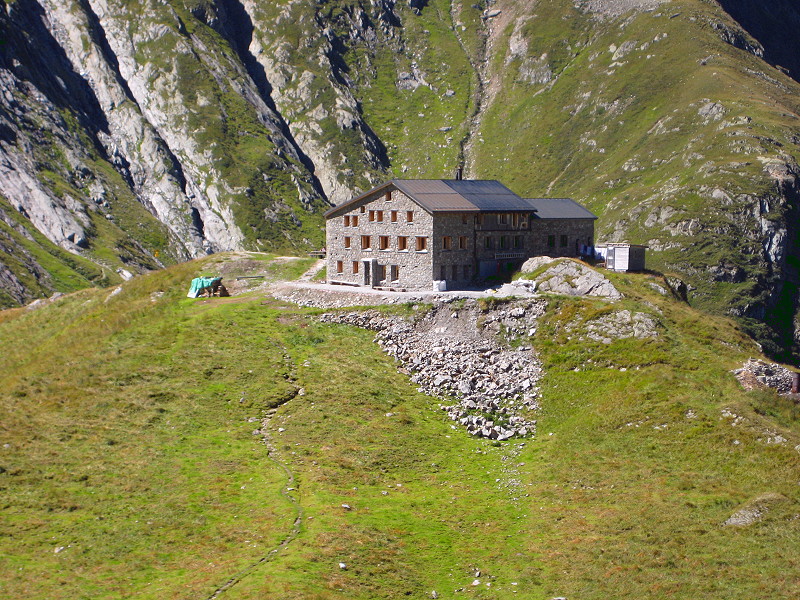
454	354
137	134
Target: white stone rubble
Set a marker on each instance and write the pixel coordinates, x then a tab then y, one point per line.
490	389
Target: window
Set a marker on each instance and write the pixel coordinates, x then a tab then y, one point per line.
503	242
354	221
395	270
381	272
551	241
402	243
447	242
564	241
371	215
422	244
464	218
366	242
339	266
388	196
517	241
363	209
488	242
379	214
503	219
462	242
383	242
409	216
347	220
347	242
355	267
393	215
455	271
515	220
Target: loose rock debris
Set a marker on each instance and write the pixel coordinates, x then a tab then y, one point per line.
454	355
757	374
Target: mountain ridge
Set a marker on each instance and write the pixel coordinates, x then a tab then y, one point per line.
140	135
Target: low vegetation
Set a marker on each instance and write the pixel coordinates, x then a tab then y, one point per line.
130	464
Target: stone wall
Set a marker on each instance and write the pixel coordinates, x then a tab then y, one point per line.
455	265
576	232
414	270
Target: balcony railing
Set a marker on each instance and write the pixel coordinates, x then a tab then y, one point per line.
508	255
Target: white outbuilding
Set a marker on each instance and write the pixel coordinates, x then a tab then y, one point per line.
622	256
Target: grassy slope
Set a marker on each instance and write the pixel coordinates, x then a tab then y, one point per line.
22	247
125	439
575	136
400	116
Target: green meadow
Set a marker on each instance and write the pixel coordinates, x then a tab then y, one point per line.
134	462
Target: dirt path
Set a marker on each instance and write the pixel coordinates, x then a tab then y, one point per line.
315	268
289	486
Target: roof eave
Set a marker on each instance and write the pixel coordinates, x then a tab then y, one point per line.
346	205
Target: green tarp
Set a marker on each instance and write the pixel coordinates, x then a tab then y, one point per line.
199	284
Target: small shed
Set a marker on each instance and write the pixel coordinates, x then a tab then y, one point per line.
623	256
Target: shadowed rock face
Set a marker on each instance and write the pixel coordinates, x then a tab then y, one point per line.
775	24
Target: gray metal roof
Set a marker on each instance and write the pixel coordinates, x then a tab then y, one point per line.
559	208
471	195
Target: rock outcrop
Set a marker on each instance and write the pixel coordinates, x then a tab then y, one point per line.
571	278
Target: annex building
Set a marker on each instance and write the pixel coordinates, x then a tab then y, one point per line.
408	234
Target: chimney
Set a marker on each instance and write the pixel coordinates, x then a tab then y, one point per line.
459	173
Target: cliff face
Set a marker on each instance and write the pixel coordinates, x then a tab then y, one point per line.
137	134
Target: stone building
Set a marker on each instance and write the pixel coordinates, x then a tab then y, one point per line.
408	234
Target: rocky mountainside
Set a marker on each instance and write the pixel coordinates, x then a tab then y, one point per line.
136	134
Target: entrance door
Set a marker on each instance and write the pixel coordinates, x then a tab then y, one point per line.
367	272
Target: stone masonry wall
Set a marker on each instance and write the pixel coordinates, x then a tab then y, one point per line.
455	265
458	264
579	231
414	267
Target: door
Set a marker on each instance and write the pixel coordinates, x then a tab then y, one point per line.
366	269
